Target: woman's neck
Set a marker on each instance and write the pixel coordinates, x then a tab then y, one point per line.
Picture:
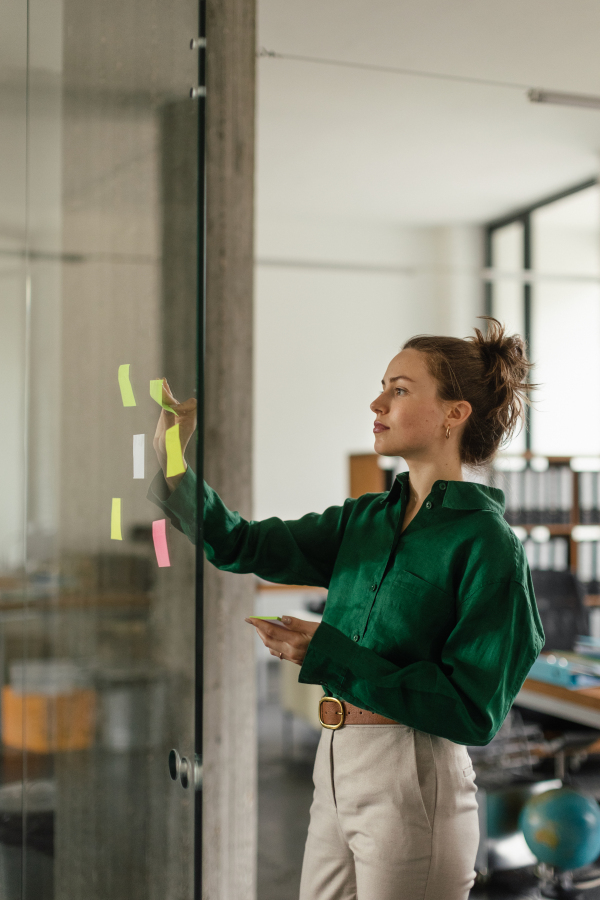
423	475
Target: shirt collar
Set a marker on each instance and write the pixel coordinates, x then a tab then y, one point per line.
456	494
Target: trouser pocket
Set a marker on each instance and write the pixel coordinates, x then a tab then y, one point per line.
426	773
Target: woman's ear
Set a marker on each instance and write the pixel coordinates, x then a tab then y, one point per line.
460	411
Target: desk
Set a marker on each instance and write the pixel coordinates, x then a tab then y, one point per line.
582	706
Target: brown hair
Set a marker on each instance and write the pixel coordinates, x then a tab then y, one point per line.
490	372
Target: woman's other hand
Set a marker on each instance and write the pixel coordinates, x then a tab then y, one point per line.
184	416
288	641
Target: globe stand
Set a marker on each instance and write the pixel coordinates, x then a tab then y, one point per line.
557	885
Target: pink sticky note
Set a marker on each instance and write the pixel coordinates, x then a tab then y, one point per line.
159	536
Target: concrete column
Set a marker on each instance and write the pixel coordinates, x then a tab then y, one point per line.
229	830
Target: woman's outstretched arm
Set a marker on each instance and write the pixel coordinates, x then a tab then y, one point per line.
301	551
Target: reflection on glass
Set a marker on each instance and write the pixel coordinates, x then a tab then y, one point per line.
97	273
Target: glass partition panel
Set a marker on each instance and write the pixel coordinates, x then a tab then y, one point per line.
97	298
13	375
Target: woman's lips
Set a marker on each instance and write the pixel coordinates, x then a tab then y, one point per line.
378	427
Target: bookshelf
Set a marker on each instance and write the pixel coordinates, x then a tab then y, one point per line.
552	503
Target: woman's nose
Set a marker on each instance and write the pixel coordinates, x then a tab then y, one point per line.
376	405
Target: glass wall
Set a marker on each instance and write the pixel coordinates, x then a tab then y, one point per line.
97	278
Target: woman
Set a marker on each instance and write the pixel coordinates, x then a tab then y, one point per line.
430	626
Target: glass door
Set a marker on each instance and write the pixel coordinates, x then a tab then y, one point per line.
98	297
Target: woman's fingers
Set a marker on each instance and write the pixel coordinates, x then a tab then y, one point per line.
188	406
168	394
281	640
301	625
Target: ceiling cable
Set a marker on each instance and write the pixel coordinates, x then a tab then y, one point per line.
535	95
392	70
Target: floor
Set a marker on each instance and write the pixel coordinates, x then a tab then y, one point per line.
286	753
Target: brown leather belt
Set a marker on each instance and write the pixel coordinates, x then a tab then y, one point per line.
334	713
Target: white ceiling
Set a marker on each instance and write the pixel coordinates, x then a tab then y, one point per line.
348	143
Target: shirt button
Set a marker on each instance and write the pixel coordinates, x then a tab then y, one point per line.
355	637
428	504
442	486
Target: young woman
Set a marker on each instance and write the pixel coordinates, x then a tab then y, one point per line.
430	626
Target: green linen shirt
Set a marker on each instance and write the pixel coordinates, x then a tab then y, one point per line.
435	627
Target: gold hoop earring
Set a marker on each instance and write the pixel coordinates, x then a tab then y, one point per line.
447	432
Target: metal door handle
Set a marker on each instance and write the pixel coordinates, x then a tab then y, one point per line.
180	767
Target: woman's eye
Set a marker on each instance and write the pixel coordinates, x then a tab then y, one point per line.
400	390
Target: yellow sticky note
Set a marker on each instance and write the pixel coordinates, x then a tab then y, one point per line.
115	520
175	463
125	385
156	392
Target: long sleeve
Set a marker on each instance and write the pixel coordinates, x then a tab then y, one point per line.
465	697
301	551
180	506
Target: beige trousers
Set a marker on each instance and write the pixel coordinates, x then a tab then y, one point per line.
394	817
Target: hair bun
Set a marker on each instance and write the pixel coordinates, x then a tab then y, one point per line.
504	356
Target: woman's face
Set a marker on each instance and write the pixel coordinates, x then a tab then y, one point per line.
410	418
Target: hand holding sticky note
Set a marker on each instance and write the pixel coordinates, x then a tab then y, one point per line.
125	385
175	463
156	392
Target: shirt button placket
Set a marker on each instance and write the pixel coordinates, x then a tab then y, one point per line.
428	504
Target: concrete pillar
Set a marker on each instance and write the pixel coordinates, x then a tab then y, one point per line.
229	819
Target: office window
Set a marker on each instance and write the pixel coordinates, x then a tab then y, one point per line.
565	325
544	282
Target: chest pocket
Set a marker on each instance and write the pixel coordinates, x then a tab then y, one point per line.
413	593
411	616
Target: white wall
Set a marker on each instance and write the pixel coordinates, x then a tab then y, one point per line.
334	303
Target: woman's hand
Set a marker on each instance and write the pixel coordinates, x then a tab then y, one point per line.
288	641
185	417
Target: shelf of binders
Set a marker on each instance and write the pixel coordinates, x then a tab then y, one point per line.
552	503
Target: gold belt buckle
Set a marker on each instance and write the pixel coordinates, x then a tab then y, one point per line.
341	713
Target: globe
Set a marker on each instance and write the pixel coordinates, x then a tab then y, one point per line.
562	828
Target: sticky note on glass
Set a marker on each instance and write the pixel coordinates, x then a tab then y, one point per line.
139	448
159	536
125	385
156	392
175	463
115	520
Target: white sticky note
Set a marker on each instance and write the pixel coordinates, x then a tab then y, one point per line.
139	453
